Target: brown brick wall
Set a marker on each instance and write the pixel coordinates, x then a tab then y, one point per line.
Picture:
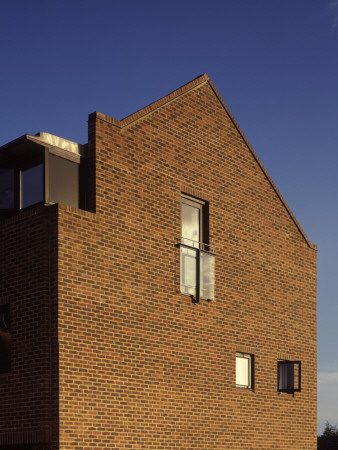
28	270
140	365
143	367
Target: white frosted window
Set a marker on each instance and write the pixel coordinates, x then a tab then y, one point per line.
243	370
207	276
188	271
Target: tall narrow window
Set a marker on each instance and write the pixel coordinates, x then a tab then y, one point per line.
244	370
5	339
192	222
289	376
197	261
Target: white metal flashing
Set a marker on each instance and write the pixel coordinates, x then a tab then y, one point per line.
51	141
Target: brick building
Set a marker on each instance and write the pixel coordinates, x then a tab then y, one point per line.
156	290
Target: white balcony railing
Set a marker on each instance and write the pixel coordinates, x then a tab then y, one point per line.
197	269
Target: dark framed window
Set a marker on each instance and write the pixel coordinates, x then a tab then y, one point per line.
5	339
197	277
32	185
22	184
244	370
289	376
43	177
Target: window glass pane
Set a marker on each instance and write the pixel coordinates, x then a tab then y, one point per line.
286	376
188	271
32	186
242	371
207	276
5	340
190	225
6	188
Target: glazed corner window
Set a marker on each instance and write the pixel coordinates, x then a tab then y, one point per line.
289	376
7	188
244	370
21	187
197	260
5	339
31	186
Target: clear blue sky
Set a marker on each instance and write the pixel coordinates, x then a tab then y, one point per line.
274	62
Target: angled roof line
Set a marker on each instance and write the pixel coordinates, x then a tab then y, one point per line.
194	84
274	187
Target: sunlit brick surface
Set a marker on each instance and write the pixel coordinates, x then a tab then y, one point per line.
107	353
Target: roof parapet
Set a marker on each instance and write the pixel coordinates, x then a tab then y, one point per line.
49	140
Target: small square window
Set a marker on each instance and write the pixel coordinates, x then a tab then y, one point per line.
5	339
289	376
244	370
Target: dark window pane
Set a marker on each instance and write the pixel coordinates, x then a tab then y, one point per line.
288	376
32	186
6	188
63	181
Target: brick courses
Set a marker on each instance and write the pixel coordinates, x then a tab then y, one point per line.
28	274
107	353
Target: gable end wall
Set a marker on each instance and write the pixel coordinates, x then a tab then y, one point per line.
141	366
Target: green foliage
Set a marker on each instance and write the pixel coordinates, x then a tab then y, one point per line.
330	430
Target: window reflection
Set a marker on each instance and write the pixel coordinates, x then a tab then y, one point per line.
190	225
288	376
207	275
197	261
188	271
6	188
32	186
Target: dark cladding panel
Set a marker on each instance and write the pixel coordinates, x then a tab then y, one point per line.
63	181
